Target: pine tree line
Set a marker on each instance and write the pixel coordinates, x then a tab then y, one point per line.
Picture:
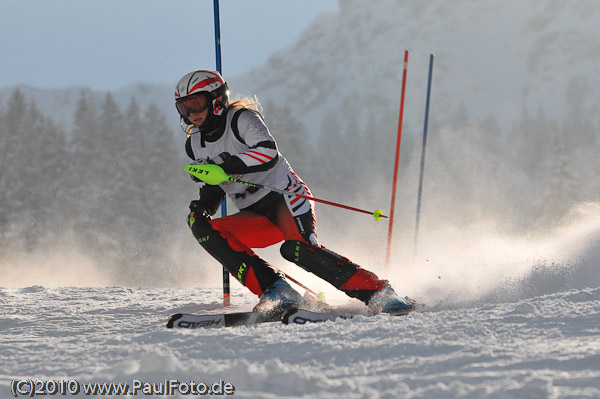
108	186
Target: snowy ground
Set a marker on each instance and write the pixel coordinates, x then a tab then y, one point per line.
542	347
507	318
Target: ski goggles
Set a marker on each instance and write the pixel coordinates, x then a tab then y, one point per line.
193	104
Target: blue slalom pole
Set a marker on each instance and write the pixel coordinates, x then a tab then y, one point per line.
423	148
217	37
226	284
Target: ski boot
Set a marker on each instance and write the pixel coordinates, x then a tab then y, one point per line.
387	301
277	298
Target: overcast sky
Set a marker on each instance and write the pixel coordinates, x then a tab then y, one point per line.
107	44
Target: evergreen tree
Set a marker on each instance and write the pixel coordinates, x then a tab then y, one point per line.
44	171
33	152
292	138
162	162
132	154
113	147
12	182
84	147
31	165
17	183
83	169
110	174
560	182
528	145
330	158
153	198
578	123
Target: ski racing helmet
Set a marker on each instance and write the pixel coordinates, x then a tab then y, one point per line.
199	90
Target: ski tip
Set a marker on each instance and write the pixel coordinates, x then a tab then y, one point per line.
173	319
285	319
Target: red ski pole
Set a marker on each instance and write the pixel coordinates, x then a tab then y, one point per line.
213	174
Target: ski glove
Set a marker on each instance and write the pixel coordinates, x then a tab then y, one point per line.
231	164
199	209
220	159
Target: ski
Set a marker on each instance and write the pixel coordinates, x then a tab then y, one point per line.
220	320
302	316
236	319
289	316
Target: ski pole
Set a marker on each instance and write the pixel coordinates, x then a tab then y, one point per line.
213	174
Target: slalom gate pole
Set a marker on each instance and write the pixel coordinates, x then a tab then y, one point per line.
393	203
226	284
217	37
425	125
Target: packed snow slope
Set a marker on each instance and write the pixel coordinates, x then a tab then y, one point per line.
497	326
542	347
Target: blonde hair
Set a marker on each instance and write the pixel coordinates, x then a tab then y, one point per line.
241	101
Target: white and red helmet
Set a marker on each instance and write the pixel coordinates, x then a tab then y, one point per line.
202	83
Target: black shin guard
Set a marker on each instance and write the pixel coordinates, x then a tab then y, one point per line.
333	268
250	270
323	263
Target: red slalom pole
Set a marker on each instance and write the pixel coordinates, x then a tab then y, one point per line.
394	184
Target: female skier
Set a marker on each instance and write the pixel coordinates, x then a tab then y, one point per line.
235	137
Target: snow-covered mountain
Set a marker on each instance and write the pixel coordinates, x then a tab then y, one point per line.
495	58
